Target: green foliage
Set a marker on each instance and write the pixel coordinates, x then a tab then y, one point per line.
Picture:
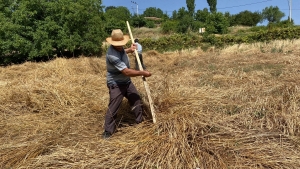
150	24
247	18
138	21
272	14
38	30
181	13
196	25
202	15
153	12
184	24
109	8
191	7
258	28
120	13
169	26
230	18
262	35
212	5
282	24
113	23
216	23
174	14
115	18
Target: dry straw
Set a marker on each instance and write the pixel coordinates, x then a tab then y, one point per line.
233	108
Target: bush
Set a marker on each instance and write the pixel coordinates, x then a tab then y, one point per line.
217	23
150	24
169	26
41	30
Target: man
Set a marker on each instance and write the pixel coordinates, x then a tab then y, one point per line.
139	50
119	82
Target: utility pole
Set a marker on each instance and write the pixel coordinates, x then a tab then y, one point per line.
137	8
290	7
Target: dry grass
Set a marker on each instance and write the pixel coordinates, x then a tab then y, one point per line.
143	32
236	29
234	108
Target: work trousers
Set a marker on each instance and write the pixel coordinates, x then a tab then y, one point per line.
142	63
116	94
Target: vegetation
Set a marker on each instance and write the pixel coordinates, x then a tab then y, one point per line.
39	30
164	43
272	14
246	18
212	5
191	7
43	30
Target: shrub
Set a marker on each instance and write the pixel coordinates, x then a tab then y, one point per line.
41	30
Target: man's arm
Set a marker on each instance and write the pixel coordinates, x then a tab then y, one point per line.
133	73
131	49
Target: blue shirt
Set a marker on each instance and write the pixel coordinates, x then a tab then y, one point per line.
116	62
139	47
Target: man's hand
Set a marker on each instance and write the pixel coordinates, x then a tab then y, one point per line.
131	49
146	73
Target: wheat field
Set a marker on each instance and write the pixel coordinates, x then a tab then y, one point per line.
236	107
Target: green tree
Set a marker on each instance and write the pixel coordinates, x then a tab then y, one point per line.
116	19
185	23
174	14
272	14
138	21
38	30
120	13
181	13
169	26
191	7
217	23
247	18
109	8
201	15
212	5
230	18
153	12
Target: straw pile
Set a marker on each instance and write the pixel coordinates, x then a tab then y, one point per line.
233	108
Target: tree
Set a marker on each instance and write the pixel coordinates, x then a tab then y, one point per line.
120	13
217	23
153	12
201	15
185	23
115	19
138	21
247	18
272	14
212	5
191	7
109	8
230	18
38	30
169	26
174	14
181	13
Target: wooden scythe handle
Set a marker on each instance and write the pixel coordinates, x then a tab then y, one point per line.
144	79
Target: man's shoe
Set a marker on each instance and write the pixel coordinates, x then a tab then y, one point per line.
106	135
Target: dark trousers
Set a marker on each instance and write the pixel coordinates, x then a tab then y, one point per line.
142	63
116	94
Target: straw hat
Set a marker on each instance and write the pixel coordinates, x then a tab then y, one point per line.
117	38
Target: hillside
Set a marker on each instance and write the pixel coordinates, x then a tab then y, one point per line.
231	108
